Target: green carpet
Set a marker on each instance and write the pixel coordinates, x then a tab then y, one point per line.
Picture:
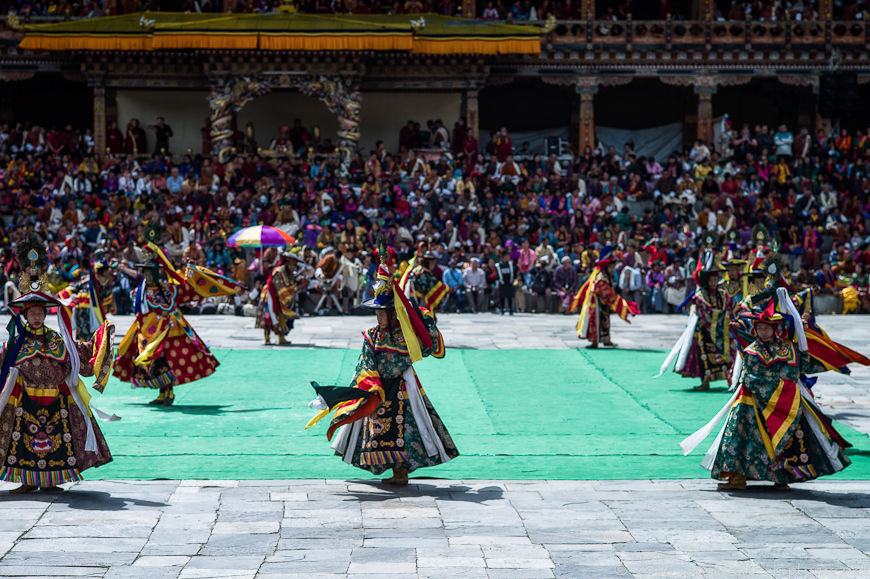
514	414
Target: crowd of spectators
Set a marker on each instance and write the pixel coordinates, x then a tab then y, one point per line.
805	10
475	204
515	10
738	10
518	10
97	8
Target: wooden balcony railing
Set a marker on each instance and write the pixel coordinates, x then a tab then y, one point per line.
709	33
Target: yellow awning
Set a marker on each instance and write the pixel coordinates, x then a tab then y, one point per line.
148	31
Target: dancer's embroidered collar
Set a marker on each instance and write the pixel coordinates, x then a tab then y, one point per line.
779	351
732	288
158	299
704	296
386	341
44	342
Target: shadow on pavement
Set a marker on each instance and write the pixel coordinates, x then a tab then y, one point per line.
844	414
199	409
83	500
845	500
418	488
610	349
291	345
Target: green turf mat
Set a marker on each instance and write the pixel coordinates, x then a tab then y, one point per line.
514	414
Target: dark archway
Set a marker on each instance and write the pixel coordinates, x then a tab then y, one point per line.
643	104
861	119
48	100
525	105
646	103
766	101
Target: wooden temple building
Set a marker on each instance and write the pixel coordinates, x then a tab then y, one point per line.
520	75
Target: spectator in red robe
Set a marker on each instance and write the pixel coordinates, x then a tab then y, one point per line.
406	136
114	139
471	146
135	142
57	141
504	146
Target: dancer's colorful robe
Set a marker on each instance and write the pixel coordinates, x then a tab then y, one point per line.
47	433
733	291
93	301
396	426
774	430
161	349
422	286
275	310
596	299
832	355
709	354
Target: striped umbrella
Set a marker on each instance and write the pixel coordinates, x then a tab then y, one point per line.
260	236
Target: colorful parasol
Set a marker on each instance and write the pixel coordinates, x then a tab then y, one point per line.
260	236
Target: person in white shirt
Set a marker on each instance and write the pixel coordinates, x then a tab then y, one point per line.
441	139
544	249
474	280
783	140
725	221
450	235
509	170
82	185
55	218
827	198
289	221
349	269
143	185
126	183
699	153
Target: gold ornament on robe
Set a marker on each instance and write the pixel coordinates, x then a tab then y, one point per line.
33	258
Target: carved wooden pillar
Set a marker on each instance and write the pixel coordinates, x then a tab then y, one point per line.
826	8
586	87
708	9
587	9
100	119
471	110
468	8
705	88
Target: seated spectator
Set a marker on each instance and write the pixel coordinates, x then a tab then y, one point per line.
565	284
655	283
826	280
453	279
490	12
540	286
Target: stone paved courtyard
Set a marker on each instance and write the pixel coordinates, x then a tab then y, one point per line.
498	529
441	528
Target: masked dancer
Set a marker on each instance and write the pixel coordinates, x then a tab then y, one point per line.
161	350
276	310
48	434
773	430
597	299
384	420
